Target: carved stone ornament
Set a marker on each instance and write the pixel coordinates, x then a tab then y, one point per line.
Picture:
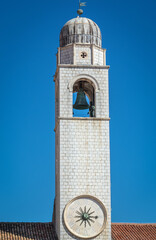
83	54
85	217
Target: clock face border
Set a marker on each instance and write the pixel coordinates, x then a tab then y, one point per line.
91	198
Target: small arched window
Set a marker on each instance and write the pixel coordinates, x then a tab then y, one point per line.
83	99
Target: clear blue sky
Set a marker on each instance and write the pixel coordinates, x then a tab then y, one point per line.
28	44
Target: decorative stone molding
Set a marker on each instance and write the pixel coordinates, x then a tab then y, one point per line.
76	206
87	78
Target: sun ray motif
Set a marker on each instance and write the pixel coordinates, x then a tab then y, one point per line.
85	216
81	210
81	223
88	223
79	220
88	210
91	213
91	220
78	213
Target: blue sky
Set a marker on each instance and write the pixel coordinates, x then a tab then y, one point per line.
28	44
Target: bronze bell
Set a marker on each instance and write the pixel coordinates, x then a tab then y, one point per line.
81	102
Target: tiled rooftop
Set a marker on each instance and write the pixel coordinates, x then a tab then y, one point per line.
127	231
27	231
45	231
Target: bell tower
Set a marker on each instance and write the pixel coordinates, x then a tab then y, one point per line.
82	151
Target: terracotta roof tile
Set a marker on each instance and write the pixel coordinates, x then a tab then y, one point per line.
127	231
46	231
27	231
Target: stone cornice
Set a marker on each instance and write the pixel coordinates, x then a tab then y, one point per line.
82	66
82	45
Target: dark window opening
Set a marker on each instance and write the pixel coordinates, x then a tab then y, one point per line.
83	99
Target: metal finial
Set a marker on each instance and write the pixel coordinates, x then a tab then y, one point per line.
79	11
81	4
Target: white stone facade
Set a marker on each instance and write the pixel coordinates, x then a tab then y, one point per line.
82	144
66	55
71	54
66	77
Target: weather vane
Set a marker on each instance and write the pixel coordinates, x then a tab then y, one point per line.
81	4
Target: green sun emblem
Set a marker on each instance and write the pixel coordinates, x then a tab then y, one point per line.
85	216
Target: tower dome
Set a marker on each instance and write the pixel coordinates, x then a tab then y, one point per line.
80	30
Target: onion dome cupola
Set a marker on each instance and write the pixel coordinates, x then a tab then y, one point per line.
82	31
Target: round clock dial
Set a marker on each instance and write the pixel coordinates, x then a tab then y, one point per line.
85	217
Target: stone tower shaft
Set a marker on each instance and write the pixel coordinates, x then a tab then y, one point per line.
82	148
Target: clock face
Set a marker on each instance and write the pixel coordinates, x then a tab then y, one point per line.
85	217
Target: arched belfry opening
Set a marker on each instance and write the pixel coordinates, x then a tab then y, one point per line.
83	98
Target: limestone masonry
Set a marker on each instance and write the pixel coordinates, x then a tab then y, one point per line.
82	144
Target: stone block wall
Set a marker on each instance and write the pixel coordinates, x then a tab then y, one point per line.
57	105
84	166
72	54
79	50
57	181
82	144
98	56
66	75
66	55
